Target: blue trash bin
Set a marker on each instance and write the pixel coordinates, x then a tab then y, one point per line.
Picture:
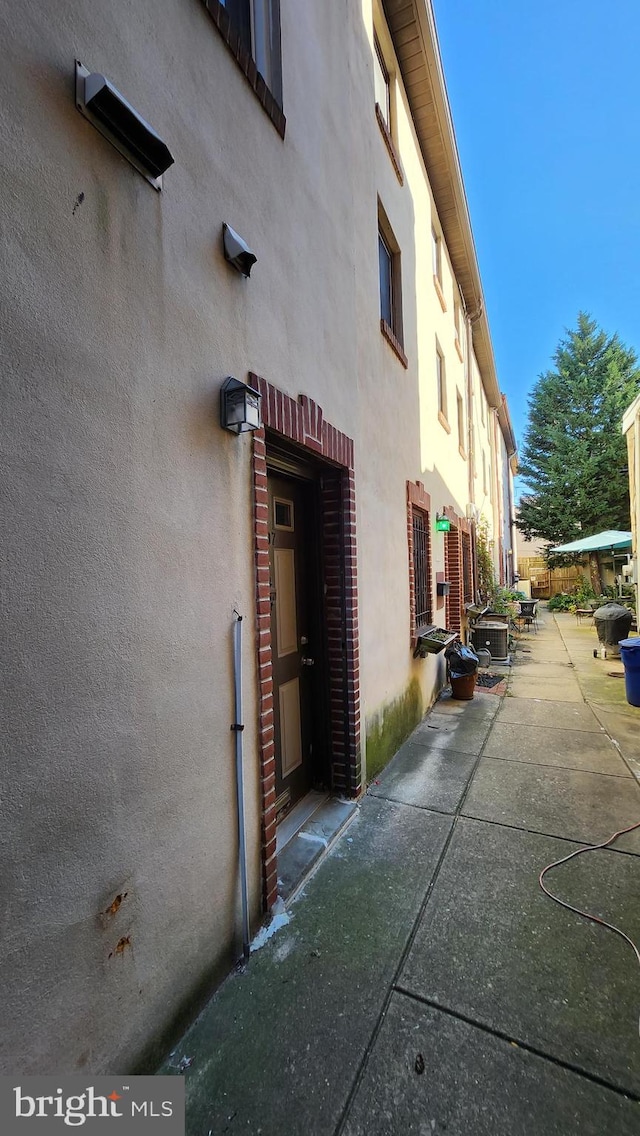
630	652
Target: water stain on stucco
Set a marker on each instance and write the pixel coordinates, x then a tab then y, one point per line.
390	726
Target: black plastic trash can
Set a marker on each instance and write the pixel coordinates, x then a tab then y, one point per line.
463	670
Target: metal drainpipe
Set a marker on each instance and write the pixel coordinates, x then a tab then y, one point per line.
470	319
497	496
514	527
470	434
238	728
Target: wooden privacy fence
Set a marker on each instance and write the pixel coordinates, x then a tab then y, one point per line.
547	582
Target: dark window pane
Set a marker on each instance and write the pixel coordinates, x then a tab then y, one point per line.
240	16
283	514
386	299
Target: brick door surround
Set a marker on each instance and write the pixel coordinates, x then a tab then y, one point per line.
453	568
302	422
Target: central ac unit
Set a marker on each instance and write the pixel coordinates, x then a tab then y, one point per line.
493	637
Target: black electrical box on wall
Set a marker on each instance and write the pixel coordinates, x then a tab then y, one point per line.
444	587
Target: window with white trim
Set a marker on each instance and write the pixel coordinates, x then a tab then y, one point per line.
382	84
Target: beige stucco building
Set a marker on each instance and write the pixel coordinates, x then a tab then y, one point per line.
139	526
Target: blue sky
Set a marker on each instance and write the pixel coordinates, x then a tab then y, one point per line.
545	99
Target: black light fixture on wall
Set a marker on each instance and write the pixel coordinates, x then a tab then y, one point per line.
239	406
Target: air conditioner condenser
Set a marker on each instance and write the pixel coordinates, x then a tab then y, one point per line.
493	637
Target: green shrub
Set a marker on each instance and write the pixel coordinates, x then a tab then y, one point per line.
501	598
562	602
583	592
484	553
579	596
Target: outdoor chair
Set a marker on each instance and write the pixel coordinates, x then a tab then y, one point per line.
528	614
584	613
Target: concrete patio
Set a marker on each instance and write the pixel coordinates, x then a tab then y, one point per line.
423	983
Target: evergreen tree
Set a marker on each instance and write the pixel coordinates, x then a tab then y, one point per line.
574	459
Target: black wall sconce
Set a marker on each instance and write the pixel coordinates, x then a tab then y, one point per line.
99	101
239	406
237	251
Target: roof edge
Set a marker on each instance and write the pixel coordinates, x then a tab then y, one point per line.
448	188
504	418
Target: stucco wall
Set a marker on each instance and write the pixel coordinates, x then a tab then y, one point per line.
130	508
402	437
483	481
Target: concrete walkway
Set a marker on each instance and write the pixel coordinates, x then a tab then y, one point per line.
424	984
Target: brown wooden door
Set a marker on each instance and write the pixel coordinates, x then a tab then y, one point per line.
295	654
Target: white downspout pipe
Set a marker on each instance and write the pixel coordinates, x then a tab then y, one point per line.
238	728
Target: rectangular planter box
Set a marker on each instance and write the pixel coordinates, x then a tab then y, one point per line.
476	611
430	644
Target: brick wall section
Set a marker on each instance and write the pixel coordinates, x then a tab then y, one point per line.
265	675
453	567
453	572
418	498
303	422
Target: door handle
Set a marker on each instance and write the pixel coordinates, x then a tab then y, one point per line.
305	661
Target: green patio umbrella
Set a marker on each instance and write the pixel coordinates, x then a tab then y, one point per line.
609	541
